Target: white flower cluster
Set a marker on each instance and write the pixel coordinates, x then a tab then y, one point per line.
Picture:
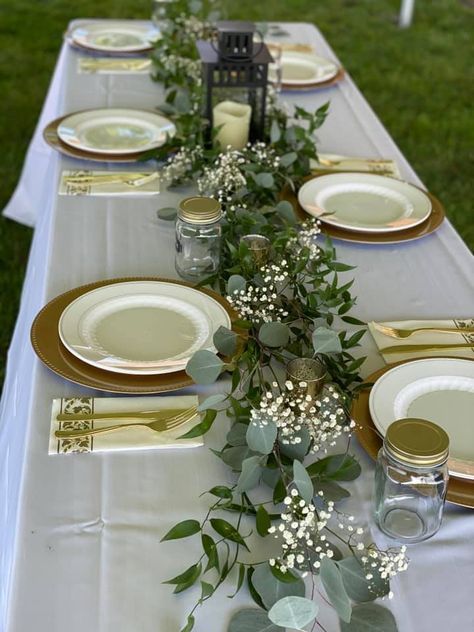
224	177
386	563
303	543
174	64
306	238
263	155
181	164
260	303
290	410
193	28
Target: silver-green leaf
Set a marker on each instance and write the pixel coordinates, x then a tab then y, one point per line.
167	213
250	475
236	283
271	589
303	482
204	367
225	341
370	617
261	438
326	341
333	585
293	612
211	401
359	588
251	620
274	334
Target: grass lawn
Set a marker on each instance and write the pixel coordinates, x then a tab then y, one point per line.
419	81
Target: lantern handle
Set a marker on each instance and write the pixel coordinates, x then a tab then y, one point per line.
232	59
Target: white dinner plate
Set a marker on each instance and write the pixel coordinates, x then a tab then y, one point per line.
115	37
141	327
365	202
440	390
301	69
115	131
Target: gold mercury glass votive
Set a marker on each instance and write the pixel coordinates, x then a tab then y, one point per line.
307	375
259	247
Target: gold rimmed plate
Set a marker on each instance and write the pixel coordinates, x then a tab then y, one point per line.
51	351
460	490
432	223
318	85
50	135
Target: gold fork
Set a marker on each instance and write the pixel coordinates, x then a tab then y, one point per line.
393	332
135	180
158	425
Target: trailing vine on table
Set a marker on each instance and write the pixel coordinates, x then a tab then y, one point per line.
281	442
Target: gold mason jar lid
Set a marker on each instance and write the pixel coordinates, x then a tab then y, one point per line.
199	210
417	442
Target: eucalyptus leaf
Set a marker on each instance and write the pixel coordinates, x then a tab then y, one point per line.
211	401
250	475
285	210
263	521
271	589
167	213
237	435
182	530
265	180
333	585
297	450
204	367
274	334
293	612
251	620
225	341
339	467
261	437
370	617
275	132
288	159
235	456
236	283
357	586
303	482
331	490
326	341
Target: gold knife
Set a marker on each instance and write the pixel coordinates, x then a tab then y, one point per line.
415	348
138	414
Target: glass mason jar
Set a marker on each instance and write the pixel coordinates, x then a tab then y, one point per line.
198	238
411	479
160	13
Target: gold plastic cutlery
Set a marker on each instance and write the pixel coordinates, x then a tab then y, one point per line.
158	425
395	332
115	64
433	347
130	179
145	414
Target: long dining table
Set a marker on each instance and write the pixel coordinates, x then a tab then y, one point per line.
80	534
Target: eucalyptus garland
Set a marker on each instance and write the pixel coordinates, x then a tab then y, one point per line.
281	441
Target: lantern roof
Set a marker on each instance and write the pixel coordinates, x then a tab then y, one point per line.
235	26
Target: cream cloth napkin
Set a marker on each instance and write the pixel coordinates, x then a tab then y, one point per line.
425	338
107	188
138	438
352	163
110	66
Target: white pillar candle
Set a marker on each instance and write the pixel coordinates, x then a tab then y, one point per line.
235	120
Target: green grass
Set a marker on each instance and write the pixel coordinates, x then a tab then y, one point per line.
419	81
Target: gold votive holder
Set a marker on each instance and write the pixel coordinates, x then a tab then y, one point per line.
307	376
259	247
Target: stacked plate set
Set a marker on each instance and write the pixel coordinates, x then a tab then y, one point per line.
128	335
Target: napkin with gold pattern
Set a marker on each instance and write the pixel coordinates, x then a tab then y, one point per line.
458	343
132	438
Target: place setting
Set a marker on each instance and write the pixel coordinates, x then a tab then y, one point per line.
129	335
302	70
368	208
108	37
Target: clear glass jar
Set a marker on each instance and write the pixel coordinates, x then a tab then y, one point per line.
198	238
160	13
411	480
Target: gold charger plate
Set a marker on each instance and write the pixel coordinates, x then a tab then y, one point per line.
315	86
50	135
432	223
50	350
460	490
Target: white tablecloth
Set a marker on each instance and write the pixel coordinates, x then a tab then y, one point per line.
79	535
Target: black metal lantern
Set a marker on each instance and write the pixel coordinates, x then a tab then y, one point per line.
235	68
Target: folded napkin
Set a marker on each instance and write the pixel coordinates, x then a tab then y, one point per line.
352	163
112	186
110	66
425	338
137	438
